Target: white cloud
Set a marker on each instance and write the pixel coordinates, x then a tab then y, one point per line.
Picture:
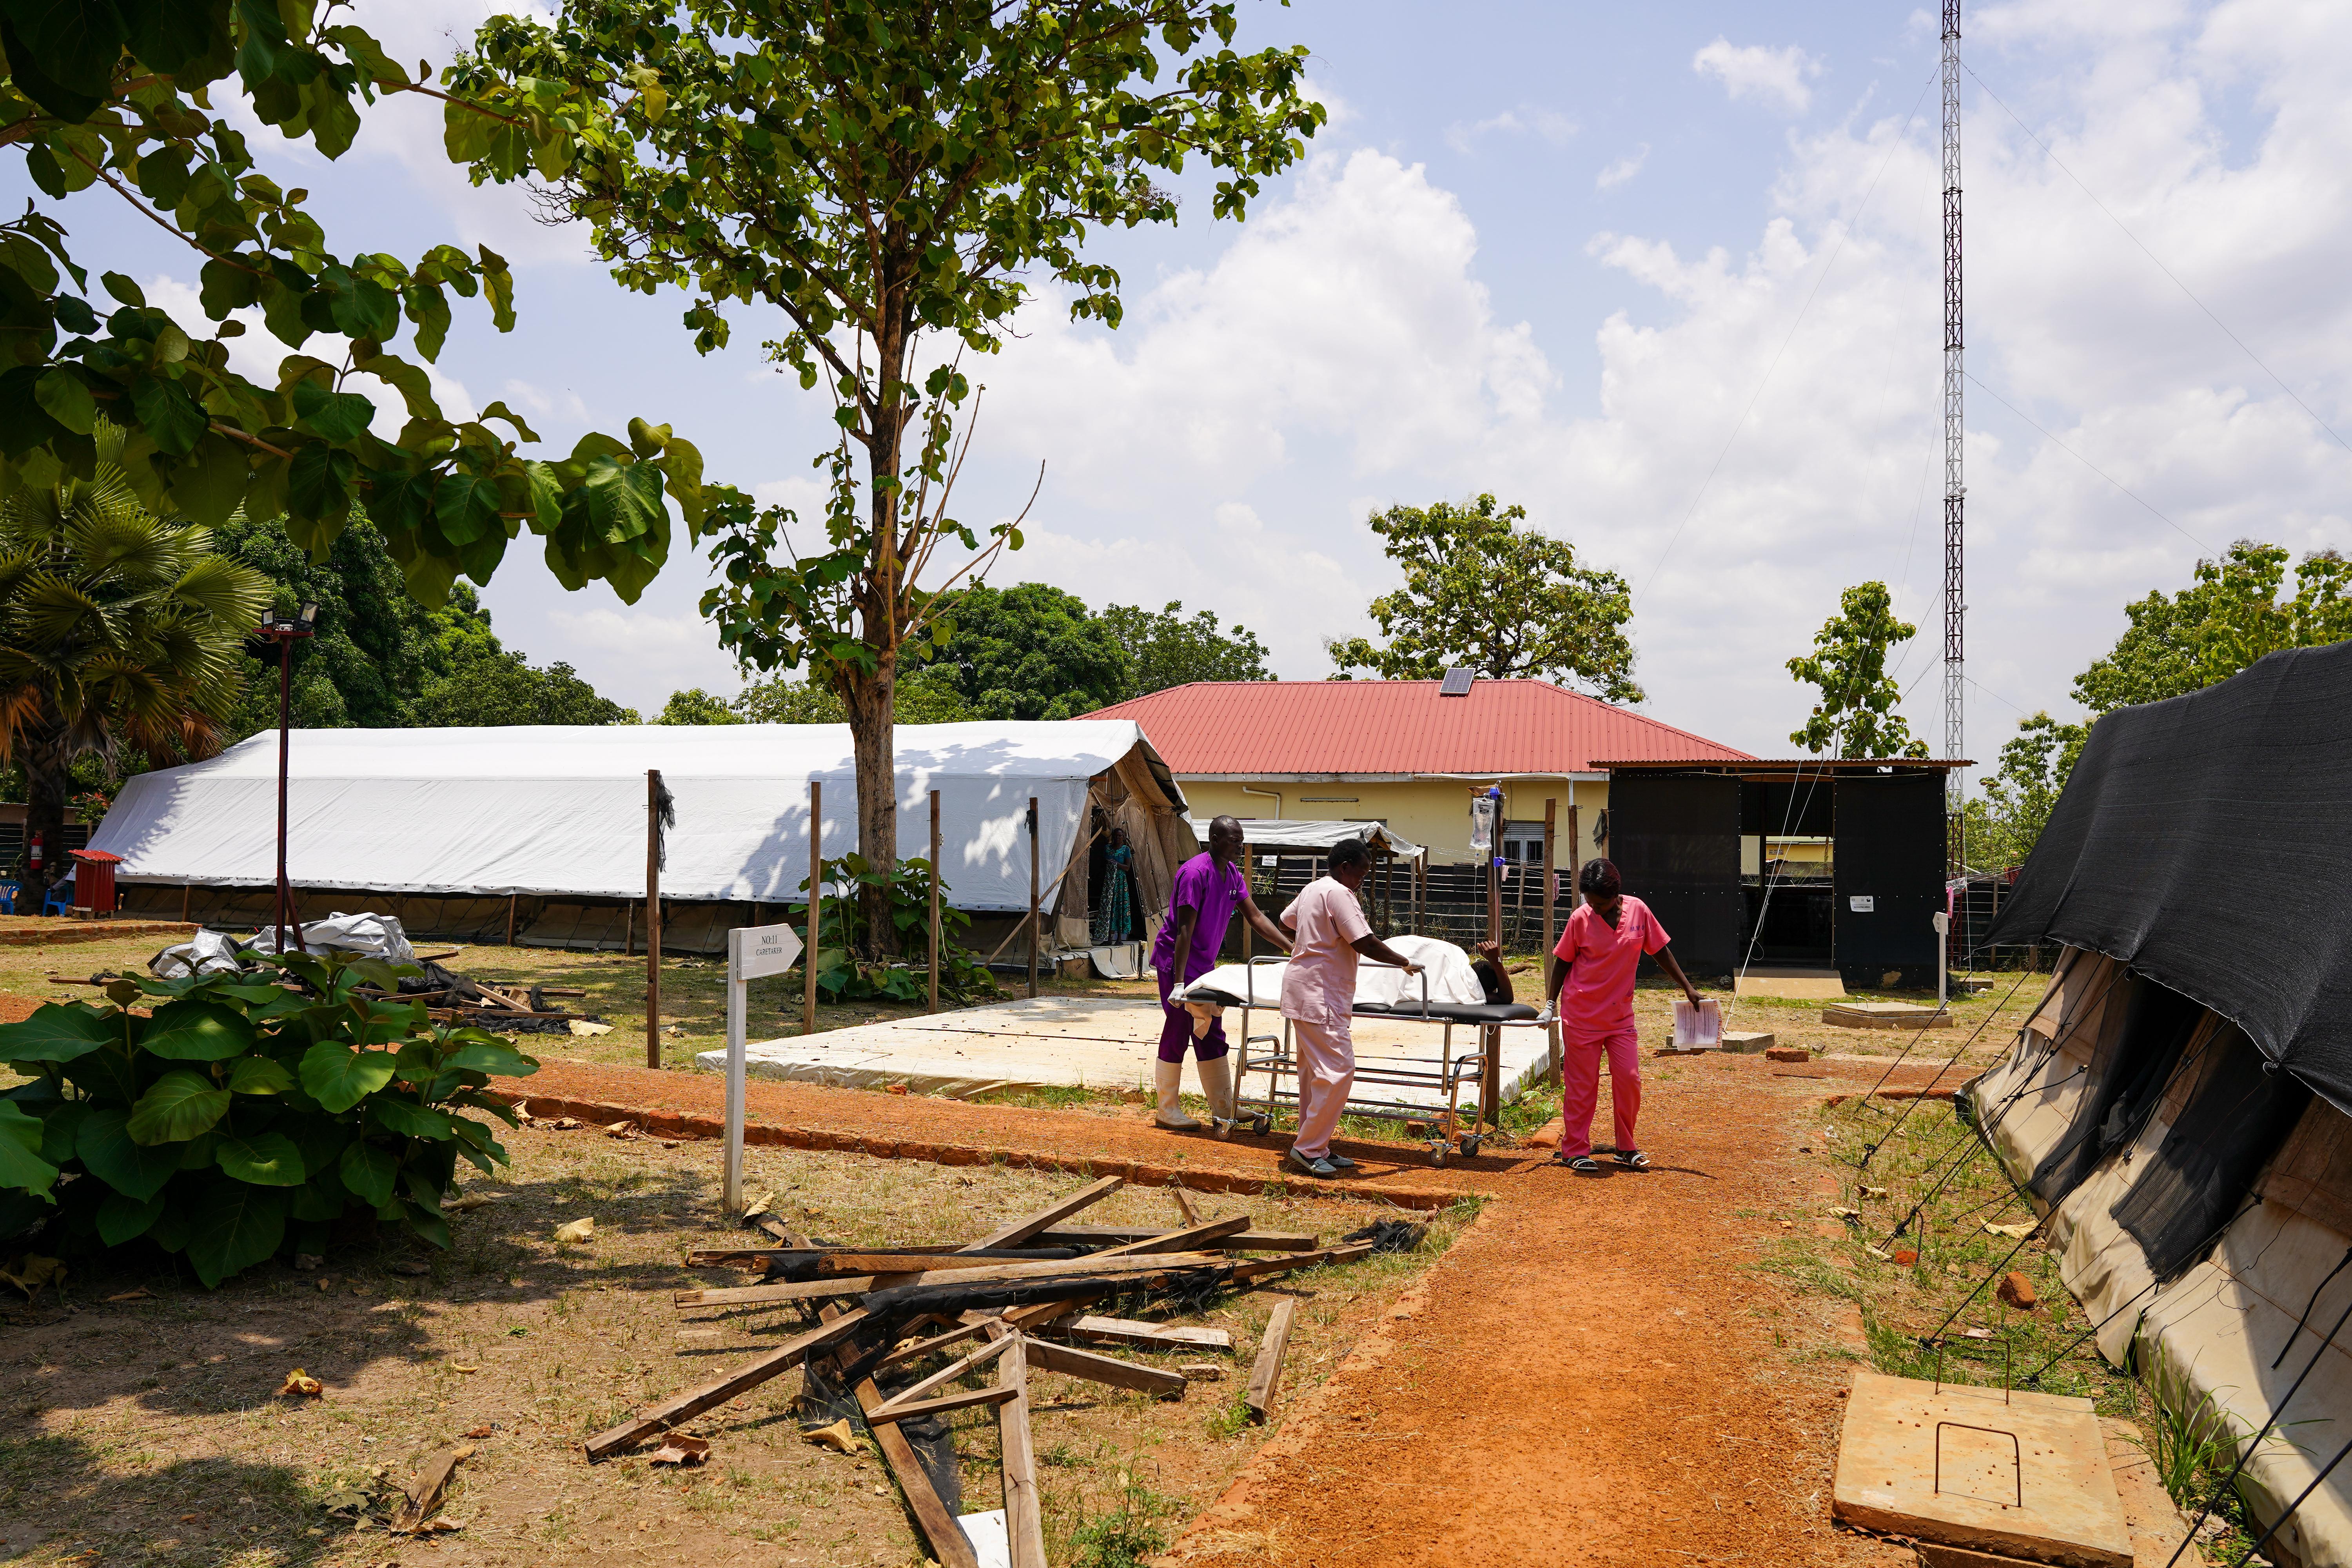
1775	77
1549	125
1622	170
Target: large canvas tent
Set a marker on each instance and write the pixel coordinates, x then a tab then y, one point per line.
2177	1105
458	830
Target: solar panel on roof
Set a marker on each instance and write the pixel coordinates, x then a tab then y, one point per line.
1457	682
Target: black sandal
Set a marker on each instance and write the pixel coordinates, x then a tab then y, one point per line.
1582	1164
1631	1159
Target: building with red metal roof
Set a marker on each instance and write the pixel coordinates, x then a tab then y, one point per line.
1404	754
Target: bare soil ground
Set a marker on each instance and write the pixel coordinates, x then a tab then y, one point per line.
694	1002
1616	1371
149	1429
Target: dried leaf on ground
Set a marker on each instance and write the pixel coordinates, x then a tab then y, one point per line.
413	1267
621	1130
583	1229
32	1271
838	1438
679	1449
1837	1213
1874	1192
582	1026
2021	1228
142	1294
480	1431
300	1384
469	1371
466	1203
760	1206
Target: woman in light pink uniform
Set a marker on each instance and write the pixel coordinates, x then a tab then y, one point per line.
1318	997
1597	957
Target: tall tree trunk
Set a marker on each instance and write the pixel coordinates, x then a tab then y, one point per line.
873	729
46	779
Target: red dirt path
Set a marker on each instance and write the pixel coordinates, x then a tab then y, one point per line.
1111	1139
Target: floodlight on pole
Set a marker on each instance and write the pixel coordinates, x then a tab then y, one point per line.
285	631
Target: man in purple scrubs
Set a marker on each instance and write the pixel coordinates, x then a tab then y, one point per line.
1209	888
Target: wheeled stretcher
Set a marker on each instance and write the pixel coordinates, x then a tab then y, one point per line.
1449	1073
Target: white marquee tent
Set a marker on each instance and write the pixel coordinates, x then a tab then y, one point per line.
560	811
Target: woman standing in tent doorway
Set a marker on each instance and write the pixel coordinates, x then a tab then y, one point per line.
1596	959
1115	916
1209	889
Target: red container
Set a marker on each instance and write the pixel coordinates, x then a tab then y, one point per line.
94	881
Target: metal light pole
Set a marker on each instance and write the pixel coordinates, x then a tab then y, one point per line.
286	634
1955	489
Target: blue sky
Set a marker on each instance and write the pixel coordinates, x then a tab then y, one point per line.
1666	275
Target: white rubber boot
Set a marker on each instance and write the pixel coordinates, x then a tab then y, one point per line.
1217	1083
1168	1078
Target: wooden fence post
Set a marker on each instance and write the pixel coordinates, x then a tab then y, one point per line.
653	917
935	901
1033	895
815	909
1550	863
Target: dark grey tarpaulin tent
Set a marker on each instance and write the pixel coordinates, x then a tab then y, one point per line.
2207	842
2176	1105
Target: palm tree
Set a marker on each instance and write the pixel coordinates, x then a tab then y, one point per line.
118	629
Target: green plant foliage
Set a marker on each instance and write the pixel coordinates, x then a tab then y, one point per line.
1855	716
928	695
148	99
2228	617
1482	592
886	183
2003	825
1169	648
843	975
240	1116
1032	652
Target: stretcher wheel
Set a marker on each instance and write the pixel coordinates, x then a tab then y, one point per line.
1437	1152
1471	1143
1261	1124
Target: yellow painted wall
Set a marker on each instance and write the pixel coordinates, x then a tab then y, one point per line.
1432	812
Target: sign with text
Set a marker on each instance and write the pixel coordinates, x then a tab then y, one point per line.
757	952
1863	903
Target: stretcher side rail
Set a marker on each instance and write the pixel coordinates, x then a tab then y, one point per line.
1447	1073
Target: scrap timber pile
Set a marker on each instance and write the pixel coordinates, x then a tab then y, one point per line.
890	1328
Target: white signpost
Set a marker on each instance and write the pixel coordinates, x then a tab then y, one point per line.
752	953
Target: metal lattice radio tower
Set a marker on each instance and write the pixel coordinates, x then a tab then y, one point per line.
1955	491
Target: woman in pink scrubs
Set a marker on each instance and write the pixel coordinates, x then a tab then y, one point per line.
1597	957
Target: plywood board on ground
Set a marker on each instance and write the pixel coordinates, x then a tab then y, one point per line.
1074	1042
1797	985
1886	1016
2021	1476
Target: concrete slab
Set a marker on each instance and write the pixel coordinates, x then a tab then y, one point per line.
1747	1041
2021	1476
1887	1016
1798	985
1072	1042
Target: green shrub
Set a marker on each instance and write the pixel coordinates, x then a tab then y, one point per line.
843	975
239	1114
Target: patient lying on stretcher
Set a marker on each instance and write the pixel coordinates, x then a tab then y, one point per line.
1458	989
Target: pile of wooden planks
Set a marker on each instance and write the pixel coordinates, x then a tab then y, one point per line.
1016	1296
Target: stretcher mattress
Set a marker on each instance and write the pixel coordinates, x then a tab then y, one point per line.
1379	988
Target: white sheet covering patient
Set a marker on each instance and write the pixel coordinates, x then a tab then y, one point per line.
1447	966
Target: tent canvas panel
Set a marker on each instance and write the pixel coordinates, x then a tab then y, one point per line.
2212	1330
560	811
2237	786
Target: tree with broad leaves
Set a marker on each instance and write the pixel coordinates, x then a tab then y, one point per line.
2006	822
118	631
1482	593
2230	616
1855	716
892	176
134	96
1170	648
